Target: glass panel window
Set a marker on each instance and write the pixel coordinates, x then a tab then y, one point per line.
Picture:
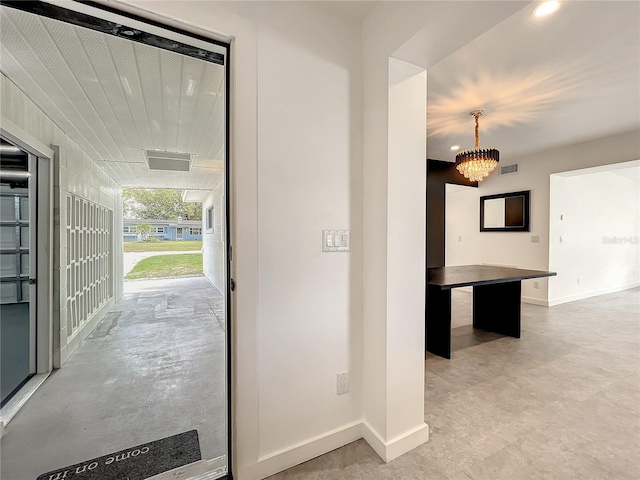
8	293
210	218
7	237
24	264
24	208
25	291
8	265
24	237
7	209
159	229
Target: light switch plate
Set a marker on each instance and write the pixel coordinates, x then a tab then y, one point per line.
336	241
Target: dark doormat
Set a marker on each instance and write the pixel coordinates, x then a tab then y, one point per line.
136	463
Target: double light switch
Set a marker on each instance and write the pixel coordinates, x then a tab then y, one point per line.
335	241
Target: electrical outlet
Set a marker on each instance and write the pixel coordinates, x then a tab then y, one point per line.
459	239
536	285
577	281
535	238
343	383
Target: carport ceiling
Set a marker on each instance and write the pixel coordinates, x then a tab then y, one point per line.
117	98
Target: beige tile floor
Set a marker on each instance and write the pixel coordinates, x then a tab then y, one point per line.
563	402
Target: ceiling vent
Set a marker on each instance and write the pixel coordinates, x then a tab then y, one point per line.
172	162
509	169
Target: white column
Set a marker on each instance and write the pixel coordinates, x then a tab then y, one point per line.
395	225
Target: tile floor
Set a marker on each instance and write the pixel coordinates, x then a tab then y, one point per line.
563	403
145	373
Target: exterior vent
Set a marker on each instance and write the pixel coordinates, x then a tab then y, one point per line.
509	169
173	162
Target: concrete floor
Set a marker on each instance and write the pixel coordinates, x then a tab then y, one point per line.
562	402
154	367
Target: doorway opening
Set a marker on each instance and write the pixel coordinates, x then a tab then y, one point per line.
126	103
594	230
17	299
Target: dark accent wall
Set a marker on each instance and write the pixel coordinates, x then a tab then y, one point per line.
439	173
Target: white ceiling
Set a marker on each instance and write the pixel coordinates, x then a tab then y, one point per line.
563	79
118	98
352	10
571	77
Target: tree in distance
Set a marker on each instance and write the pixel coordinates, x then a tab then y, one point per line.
160	204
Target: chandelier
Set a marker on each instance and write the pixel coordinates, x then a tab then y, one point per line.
477	163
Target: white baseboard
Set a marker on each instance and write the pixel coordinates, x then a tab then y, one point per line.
275	462
535	301
582	296
398	446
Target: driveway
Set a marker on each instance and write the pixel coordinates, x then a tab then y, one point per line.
131	258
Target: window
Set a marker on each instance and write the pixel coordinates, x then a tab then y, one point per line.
195	231
210	218
159	229
127	229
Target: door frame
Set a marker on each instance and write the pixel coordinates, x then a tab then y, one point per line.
43	157
154	22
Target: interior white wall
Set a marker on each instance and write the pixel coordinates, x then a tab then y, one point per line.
534	170
73	172
597	214
309	148
213	240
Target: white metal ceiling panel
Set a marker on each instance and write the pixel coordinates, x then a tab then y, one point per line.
116	98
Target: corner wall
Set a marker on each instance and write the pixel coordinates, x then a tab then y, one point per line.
74	173
518	248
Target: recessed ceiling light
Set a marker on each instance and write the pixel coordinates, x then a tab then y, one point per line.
454	147
546	8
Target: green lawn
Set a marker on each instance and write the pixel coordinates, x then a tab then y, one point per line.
167	266
164	246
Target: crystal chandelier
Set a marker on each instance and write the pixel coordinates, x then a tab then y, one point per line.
477	163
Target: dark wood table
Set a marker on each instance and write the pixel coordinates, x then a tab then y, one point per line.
496	301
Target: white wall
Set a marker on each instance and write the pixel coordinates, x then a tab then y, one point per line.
213	240
308	174
597	214
74	172
534	170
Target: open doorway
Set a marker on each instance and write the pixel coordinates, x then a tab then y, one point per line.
594	229
141	374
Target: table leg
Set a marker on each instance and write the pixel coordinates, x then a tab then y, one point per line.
438	321
496	308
